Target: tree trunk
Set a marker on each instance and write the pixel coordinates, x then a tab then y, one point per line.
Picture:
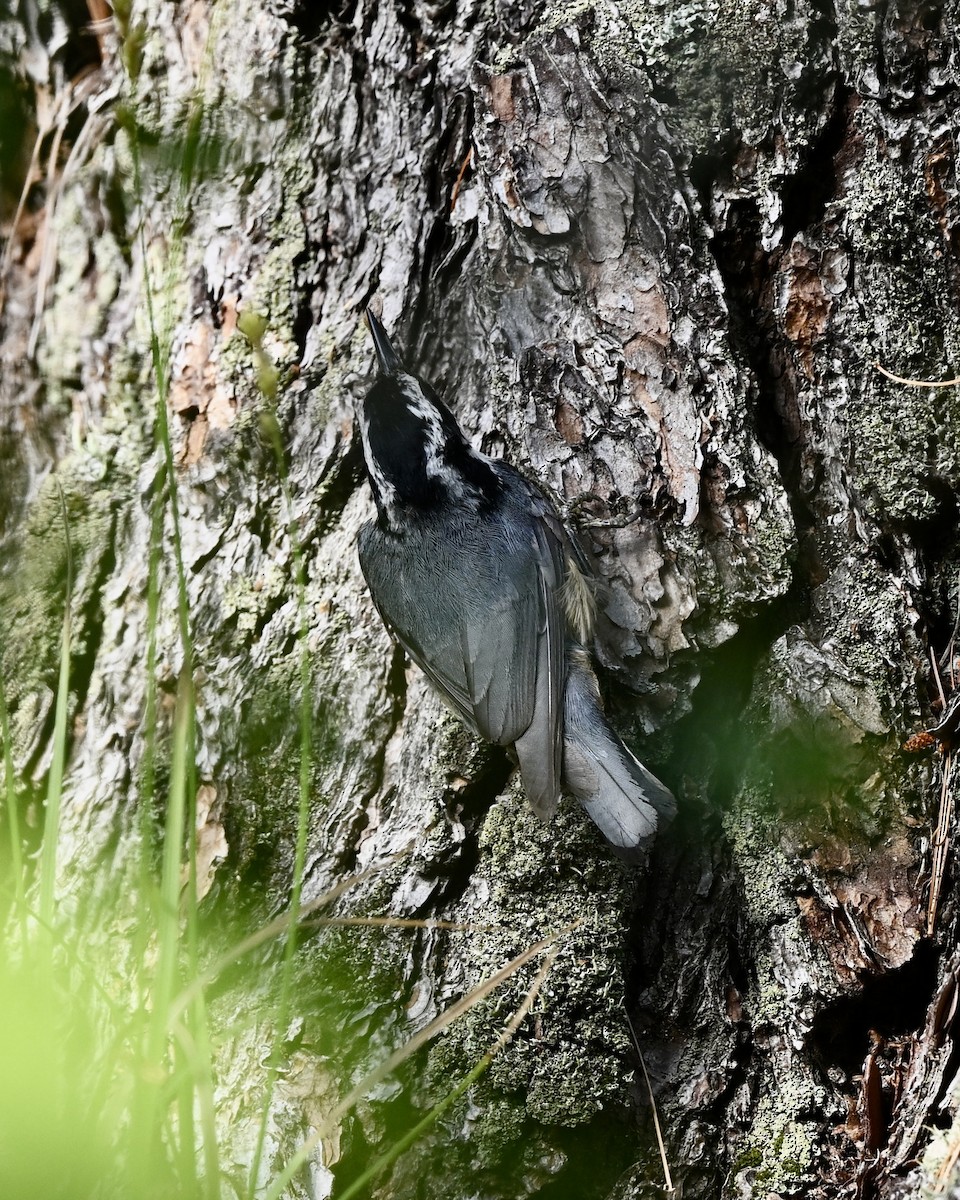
651	255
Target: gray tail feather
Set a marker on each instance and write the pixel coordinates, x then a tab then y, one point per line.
620	795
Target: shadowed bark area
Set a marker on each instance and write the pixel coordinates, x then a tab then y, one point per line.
650	253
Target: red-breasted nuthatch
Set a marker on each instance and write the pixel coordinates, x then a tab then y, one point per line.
472	569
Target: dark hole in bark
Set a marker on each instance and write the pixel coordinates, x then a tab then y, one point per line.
807	194
467	803
312	18
82	49
303	318
932	532
889	1005
488	782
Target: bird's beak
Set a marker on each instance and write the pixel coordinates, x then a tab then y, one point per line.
387	357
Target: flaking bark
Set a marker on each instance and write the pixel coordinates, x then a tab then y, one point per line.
648	252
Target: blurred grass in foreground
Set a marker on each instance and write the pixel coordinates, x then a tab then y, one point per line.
52	1142
108	1053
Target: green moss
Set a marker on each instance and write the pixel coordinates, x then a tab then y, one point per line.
34	594
734	578
904	442
78	297
823	760
747	1158
271	290
773	542
534	879
755	841
779	1152
502	1130
939	1170
264	806
247	601
769	1005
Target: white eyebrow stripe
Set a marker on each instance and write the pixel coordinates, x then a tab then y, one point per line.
420	406
436	440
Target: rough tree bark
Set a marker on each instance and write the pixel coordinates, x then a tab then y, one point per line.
650	253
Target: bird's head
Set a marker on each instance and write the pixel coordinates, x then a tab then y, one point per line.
416	455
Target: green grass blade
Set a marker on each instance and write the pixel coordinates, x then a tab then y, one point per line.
390	1064
51	823
13	817
303	805
168	924
180	816
363	1181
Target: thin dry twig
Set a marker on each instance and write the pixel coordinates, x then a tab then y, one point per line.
939	681
456	187
77	92
918	383
948	657
443	1021
28	182
949	1165
667	1177
398	923
360	1185
940	843
409	1048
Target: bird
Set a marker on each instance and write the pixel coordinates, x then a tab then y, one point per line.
473	571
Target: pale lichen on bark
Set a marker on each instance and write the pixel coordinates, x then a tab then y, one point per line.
651	251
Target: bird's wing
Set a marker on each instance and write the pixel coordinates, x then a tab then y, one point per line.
447	682
515	657
540	747
399	613
497	652
497	647
481	615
